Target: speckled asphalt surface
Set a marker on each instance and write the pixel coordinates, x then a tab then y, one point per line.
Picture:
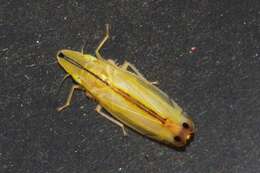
218	84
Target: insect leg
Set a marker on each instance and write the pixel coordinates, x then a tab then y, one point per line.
127	64
68	101
89	95
98	109
102	42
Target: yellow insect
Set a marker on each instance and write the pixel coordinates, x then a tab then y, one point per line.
130	98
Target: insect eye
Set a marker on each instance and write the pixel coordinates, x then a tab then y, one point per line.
177	139
185	125
61	55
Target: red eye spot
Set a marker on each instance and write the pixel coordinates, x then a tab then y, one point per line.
193	50
177	139
185	125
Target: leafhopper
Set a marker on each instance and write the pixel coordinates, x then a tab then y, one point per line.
129	98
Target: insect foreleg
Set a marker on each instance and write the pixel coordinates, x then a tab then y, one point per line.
68	101
98	109
102	42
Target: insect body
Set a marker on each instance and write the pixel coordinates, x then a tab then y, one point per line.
130	98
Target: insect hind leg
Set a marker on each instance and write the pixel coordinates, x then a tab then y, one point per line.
127	64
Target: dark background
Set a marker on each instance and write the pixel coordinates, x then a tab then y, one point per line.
218	84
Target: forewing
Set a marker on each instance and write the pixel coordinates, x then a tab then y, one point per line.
146	93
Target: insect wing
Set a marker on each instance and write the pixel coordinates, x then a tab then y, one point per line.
146	93
132	115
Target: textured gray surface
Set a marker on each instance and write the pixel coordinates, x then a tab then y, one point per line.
219	85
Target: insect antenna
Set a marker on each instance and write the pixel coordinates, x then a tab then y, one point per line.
83	46
61	84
